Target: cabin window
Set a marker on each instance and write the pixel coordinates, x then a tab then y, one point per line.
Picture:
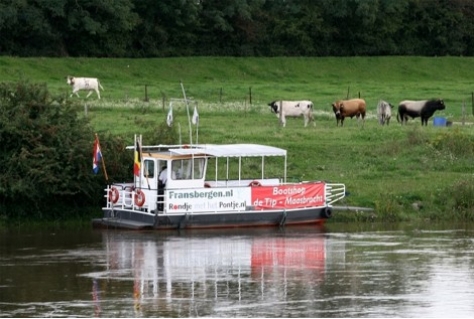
149	168
192	168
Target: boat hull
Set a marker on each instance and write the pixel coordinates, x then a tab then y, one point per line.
125	219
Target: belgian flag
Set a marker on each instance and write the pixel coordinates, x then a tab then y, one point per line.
137	160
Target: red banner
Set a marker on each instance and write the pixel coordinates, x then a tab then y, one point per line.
289	196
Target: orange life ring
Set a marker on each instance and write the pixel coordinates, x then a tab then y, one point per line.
139	198
114	195
255	183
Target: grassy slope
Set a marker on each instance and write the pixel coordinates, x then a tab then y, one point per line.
320	79
379	165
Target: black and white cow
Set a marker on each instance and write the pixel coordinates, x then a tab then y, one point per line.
384	112
293	109
424	109
86	84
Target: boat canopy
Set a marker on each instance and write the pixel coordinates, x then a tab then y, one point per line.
231	150
218	150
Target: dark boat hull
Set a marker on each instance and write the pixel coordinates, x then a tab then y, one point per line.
124	219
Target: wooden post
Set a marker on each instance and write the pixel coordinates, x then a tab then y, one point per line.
163	101
220	95
250	95
146	93
347	97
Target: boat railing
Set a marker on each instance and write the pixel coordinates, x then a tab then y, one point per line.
126	198
335	192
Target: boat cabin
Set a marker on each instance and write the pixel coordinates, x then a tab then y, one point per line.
181	171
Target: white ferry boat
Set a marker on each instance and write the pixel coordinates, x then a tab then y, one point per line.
207	186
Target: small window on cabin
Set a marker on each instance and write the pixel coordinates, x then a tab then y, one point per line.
149	168
199	167
177	167
188	168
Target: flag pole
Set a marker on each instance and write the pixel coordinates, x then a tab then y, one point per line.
102	158
197	126
141	154
134	150
138	140
197	133
189	117
195	121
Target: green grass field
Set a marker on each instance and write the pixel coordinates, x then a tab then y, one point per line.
219	80
389	168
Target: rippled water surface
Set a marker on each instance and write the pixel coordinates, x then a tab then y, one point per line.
292	272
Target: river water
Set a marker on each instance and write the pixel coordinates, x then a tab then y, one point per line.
335	271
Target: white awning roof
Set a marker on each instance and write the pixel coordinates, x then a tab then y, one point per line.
231	150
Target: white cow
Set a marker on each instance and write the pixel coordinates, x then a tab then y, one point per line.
293	109
384	112
86	84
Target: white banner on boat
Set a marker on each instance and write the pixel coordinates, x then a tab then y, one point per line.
203	200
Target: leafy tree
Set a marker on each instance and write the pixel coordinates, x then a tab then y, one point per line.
166	27
99	27
46	157
26	27
229	27
150	28
295	28
66	27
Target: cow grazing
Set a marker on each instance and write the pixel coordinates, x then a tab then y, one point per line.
85	84
424	109
384	112
293	109
349	108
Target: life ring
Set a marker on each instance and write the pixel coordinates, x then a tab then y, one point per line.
139	198
114	195
327	212
255	183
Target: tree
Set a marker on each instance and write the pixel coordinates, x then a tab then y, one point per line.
46	156
229	27
66	27
101	28
166	27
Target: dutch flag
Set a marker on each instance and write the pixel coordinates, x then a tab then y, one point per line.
96	156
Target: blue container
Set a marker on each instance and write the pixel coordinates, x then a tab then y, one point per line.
439	121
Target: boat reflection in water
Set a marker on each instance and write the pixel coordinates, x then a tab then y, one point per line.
210	273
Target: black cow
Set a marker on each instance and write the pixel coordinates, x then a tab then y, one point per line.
424	109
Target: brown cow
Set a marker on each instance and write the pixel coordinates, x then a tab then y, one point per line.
349	108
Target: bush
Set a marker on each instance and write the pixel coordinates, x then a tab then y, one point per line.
46	156
458	200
